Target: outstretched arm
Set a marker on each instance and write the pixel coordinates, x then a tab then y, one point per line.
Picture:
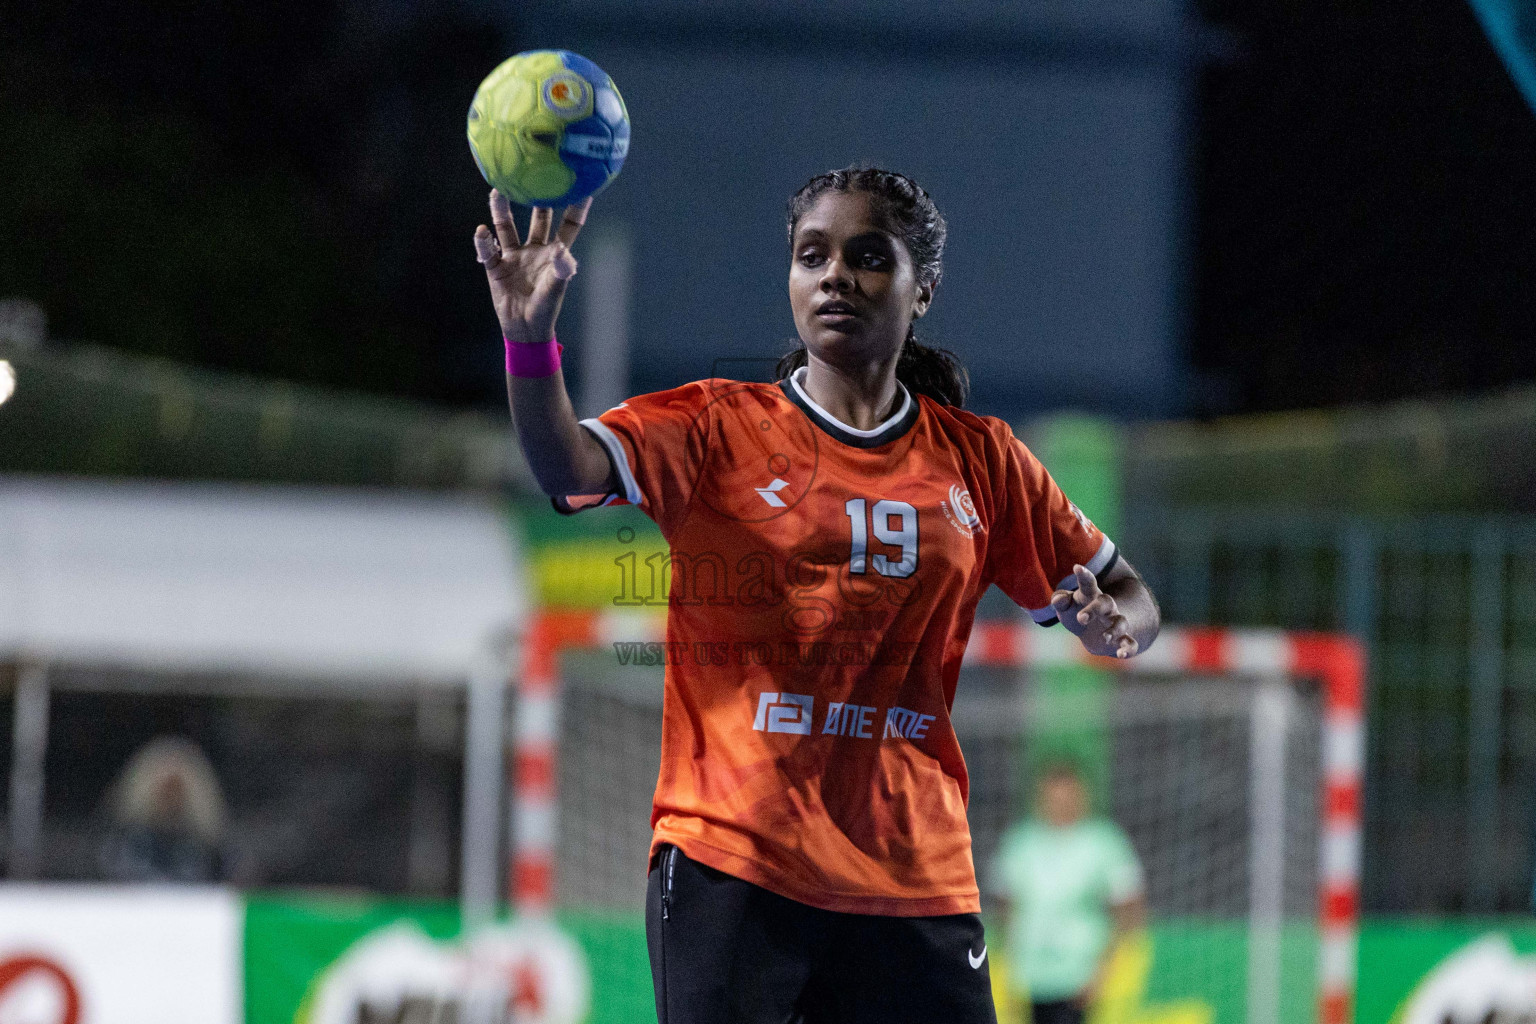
528	281
1116	619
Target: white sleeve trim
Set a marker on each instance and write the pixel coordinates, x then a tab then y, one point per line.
611	441
1097	564
1101	559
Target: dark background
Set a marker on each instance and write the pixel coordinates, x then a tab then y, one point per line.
1366	196
284	188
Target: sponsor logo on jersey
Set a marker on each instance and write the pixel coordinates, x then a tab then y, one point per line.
905	724
961	511
792	712
849	720
770	494
784	712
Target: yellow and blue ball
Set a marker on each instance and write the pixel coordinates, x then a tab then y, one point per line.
548	128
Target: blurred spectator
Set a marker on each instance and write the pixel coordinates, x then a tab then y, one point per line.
1070	886
167	817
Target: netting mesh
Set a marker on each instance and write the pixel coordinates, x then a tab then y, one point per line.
1217	784
610	755
1215	781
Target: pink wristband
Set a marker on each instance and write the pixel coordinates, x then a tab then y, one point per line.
537	359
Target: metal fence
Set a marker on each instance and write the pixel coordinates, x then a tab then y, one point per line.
1447	608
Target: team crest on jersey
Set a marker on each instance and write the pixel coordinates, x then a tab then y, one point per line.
961	511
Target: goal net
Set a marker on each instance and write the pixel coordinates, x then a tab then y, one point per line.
1230	760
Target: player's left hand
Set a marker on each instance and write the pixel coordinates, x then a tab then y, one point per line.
1094	616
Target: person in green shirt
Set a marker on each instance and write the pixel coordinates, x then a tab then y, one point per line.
1069	885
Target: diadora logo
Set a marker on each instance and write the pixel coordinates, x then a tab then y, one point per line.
784	712
770	494
961	511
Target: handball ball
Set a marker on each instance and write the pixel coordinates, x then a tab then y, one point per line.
548	128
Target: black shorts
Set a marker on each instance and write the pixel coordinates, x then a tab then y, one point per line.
1057	1011
725	951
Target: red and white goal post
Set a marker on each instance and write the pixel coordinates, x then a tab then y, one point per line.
1335	662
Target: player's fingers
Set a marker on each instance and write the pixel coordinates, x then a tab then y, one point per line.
1086	583
1061	600
1117	637
575	217
562	263
538	225
501	216
1101	607
486	250
549	292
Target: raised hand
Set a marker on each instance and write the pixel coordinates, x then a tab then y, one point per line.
1094	616
528	278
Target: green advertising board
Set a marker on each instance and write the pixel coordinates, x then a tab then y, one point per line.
593	560
294	946
1184	971
1448	972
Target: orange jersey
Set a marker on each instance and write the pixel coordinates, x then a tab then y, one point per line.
823	582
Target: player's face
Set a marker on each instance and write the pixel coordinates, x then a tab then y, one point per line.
1063	799
852	285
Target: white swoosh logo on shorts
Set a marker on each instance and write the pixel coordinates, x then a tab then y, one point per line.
976	959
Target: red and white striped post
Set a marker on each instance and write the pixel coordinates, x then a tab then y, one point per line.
1337	661
1342	667
536	738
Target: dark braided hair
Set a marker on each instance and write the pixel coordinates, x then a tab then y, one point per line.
909	214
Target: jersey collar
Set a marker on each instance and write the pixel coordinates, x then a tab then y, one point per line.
899	423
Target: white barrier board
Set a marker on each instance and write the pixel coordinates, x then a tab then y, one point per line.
77	954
